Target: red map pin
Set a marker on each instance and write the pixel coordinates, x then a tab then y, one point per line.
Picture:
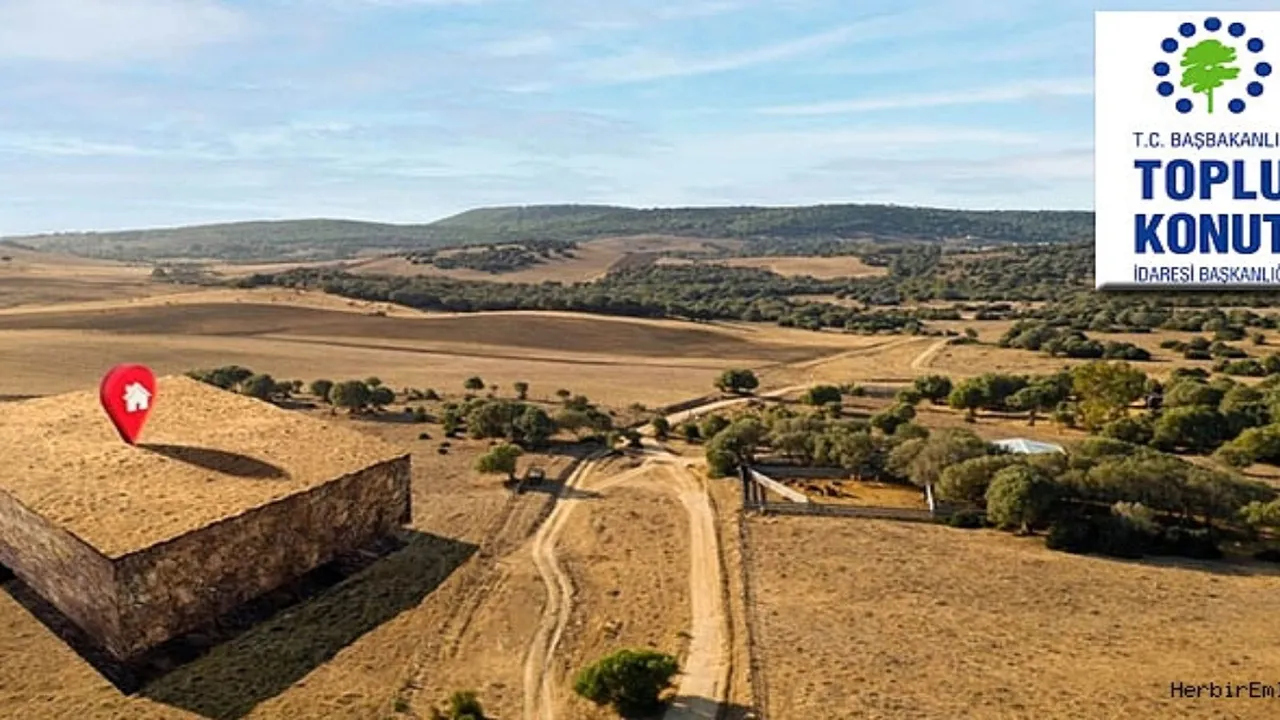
127	393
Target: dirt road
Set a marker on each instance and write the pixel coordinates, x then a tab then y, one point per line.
703	688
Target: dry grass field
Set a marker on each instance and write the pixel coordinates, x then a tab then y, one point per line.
861	618
871	619
823	268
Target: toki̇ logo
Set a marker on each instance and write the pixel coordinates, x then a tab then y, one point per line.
1210	62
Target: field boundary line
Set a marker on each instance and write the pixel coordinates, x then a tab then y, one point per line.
759	686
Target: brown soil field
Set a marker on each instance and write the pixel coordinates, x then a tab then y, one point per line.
864	618
858	493
591	261
818	267
29	278
50	349
206	455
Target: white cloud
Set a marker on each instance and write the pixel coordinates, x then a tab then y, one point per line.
107	30
1010	92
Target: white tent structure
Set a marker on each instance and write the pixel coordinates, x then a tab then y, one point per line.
1028	447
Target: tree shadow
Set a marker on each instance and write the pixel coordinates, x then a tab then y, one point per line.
1226	566
226	668
218	461
559	490
700	707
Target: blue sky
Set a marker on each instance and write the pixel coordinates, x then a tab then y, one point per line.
143	113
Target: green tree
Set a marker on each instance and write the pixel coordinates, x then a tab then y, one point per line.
259	386
373	382
1105	390
381	396
968	396
574	421
842	446
689	431
1020	496
533	427
320	388
821	395
493	419
734	446
1191	427
501	459
564	395
631	681
451	420
1032	400
737	381
661	428
522	389
940	451
967	481
353	395
934	388
1206	66
711	426
473	384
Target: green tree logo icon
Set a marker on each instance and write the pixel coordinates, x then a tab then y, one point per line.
1206	66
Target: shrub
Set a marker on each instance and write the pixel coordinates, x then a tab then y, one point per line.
1198	544
689	431
631	681
462	705
1072	535
966	520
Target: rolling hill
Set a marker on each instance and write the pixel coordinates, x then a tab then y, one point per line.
794	227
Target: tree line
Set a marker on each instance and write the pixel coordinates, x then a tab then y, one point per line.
1110	495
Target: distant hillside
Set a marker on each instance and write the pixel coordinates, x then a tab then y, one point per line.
796	226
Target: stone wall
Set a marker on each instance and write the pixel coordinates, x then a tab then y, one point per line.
173	587
60	567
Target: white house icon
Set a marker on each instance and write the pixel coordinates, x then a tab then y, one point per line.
136	397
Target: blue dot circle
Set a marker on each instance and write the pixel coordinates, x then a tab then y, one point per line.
1169	45
1263	69
1165	88
1186	29
1212	24
1236	106
1236	29
1161	69
1254	44
1254	89
1183	105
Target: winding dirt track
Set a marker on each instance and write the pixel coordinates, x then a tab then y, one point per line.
703	687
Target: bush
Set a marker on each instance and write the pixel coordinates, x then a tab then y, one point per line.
1198	544
1119	536
966	520
1072	535
462	705
1115	536
631	681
